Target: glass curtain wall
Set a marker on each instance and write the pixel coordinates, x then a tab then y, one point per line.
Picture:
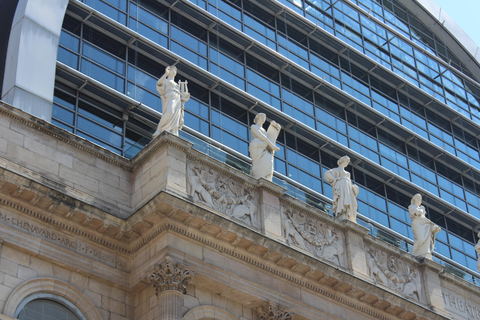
395	40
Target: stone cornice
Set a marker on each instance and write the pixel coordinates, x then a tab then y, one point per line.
61	224
42	187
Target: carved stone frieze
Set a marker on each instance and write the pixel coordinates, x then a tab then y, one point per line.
272	311
170	275
312	235
222	194
394	273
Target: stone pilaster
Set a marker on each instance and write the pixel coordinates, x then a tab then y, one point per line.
270	208
357	261
170	280
432	285
272	311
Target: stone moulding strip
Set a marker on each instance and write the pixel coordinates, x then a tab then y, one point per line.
66	227
309	285
64	136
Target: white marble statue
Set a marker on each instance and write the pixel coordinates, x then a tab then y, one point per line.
477	249
262	147
344	192
173	95
423	229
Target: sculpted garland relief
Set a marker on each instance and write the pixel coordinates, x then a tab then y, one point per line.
393	273
313	236
222	194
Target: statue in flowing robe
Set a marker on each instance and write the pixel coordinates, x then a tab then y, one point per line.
262	147
173	95
344	192
423	229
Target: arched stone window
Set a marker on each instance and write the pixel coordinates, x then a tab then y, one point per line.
208	313
51	295
47	307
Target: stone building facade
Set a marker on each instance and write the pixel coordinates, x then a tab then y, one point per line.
176	234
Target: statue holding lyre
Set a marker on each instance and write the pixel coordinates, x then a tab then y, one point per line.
173	95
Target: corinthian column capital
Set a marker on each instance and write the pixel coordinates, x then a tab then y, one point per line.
271	311
170	275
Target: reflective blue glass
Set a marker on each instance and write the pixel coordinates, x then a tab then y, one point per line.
225	17
230	140
197	124
109	10
100	132
149	19
67	57
103	58
141	78
189	55
146	97
229	124
298	115
443	249
148	33
62	114
102	75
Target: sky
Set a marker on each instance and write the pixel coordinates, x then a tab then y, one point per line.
466	13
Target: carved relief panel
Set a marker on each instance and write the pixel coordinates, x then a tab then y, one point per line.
312	235
394	273
223	194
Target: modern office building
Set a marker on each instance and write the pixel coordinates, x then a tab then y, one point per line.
393	84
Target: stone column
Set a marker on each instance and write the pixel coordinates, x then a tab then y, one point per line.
272	311
170	280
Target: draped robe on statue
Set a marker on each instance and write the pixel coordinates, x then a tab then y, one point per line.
344	194
172	117
424	232
261	151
